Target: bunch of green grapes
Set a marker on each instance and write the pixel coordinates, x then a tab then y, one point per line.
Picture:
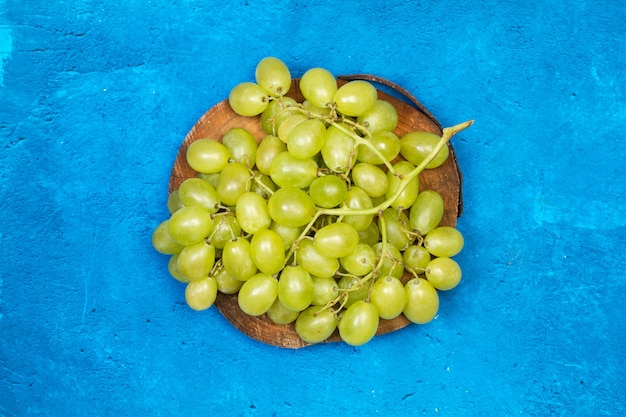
318	221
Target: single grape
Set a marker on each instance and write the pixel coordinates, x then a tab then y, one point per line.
201	294
336	240
273	75
388	297
415	147
173	202
288	171
357	198
225	228
287	233
354	288
359	323
291	206
279	314
361	261
314	325
355	98
190	225
266	249
370	235
318	86
172	267
311	108
422	301
409	194
415	258
241	144
237	259
383	116
392	263
386	142
163	242
338	151
313	261
444	241
252	212
288	124
328	191
267	150
207	156
295	288
234	180
258	294
396	226
306	139
195	261
370	178
226	283
275	113
248	99
426	212
198	192
325	290
443	273
262	184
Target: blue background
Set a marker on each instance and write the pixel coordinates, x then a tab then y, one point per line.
95	99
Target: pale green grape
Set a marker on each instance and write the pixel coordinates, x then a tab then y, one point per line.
195	261
336	240
359	323
163	242
226	283
426	212
444	241
287	233
388	297
275	113
357	198
314	262
415	147
392	264
267	150
443	273
266	249
383	116
173	202
338	151
281	315
386	142
318	86
355	98
325	290
361	261
291	206
201	294
416	257
288	171
248	99
409	194
172	268
370	235
225	228
295	288
321	111
273	75
190	225
207	156
355	288
198	192
258	294
422	301
328	191
306	139
252	212
237	259
370	178
288	124
241	144
234	180
396	225
262	184
314	325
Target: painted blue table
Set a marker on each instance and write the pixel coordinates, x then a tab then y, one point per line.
95	99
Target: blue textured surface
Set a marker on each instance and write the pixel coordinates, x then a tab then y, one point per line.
95	100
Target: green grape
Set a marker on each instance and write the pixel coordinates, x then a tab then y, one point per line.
201	294
387	143
281	315
248	99
207	156
355	98
210	178
268	149
388	297
273	75
444	241
295	288
288	124
275	113
190	225
291	206
325	290
355	289
416	258
311	108
392	263
409	194
173	202
313	261
314	325
196	261
336	240
288	171
258	294
198	192
252	213
415	147
426	212
266	248
318	86
370	178
443	273
361	261
241	144
328	191
262	184
226	283
370	235
359	323
338	151
357	198
306	139
383	116
225	228
422	301
163	242
237	259
172	267
396	226
288	234
234	180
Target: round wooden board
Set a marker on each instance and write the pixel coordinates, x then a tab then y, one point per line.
445	179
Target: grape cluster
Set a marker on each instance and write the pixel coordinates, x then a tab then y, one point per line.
318	221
